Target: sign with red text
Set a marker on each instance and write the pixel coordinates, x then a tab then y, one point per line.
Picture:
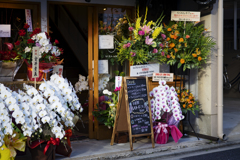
168	77
58	70
35	62
29	19
185	16
118	81
144	70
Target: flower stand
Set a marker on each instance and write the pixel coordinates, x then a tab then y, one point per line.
42	150
161	133
43	69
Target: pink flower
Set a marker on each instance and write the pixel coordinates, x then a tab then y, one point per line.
162	53
148	41
141	33
126	45
117	89
146	29
187	36
133	54
155	50
130	28
163	36
161	45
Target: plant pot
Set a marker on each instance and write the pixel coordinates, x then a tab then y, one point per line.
8	70
43	69
37	151
64	149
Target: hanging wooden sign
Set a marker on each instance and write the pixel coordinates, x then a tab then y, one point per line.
133	111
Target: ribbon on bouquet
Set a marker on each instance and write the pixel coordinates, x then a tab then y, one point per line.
68	134
160	127
176	134
51	141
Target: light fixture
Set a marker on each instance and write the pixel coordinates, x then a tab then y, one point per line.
104	9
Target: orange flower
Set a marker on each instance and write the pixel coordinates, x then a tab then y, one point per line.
199	58
176	33
172	36
169	29
164	24
194	55
190	97
175	37
171	45
184	105
182	61
175	49
190	105
187	36
168	56
181	40
168	39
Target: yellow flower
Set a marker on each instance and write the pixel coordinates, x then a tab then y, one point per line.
156	32
174	26
194	55
179	45
182	61
149	23
181	40
176	33
199	58
175	49
185	44
173	57
171	45
138	23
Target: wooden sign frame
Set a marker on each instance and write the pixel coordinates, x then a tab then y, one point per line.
122	119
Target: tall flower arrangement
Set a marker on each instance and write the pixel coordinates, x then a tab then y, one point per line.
49	52
41	115
188	45
146	42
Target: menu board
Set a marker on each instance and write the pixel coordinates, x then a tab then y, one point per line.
138	106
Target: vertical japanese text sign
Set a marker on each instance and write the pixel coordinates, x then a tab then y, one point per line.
28	19
35	62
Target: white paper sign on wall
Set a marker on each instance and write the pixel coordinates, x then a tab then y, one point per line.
29	19
5	30
106	41
185	16
168	77
144	70
35	62
102	66
58	70
118	81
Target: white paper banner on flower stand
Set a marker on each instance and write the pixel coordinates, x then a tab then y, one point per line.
118	81
35	62
144	70
58	70
29	19
168	77
185	16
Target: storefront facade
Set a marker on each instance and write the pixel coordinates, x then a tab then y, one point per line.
206	83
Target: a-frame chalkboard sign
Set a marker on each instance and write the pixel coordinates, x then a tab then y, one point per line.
133	111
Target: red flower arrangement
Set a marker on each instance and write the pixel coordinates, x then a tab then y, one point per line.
8	55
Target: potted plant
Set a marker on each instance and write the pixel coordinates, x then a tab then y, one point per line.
189	45
48	52
10	63
166	112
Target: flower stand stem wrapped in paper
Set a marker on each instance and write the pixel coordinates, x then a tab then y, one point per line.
4	153
161	133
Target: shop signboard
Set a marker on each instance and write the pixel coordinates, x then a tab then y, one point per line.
102	66
5	30
168	77
144	70
35	62
106	41
133	110
185	16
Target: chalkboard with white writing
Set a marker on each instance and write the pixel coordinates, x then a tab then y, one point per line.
138	106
